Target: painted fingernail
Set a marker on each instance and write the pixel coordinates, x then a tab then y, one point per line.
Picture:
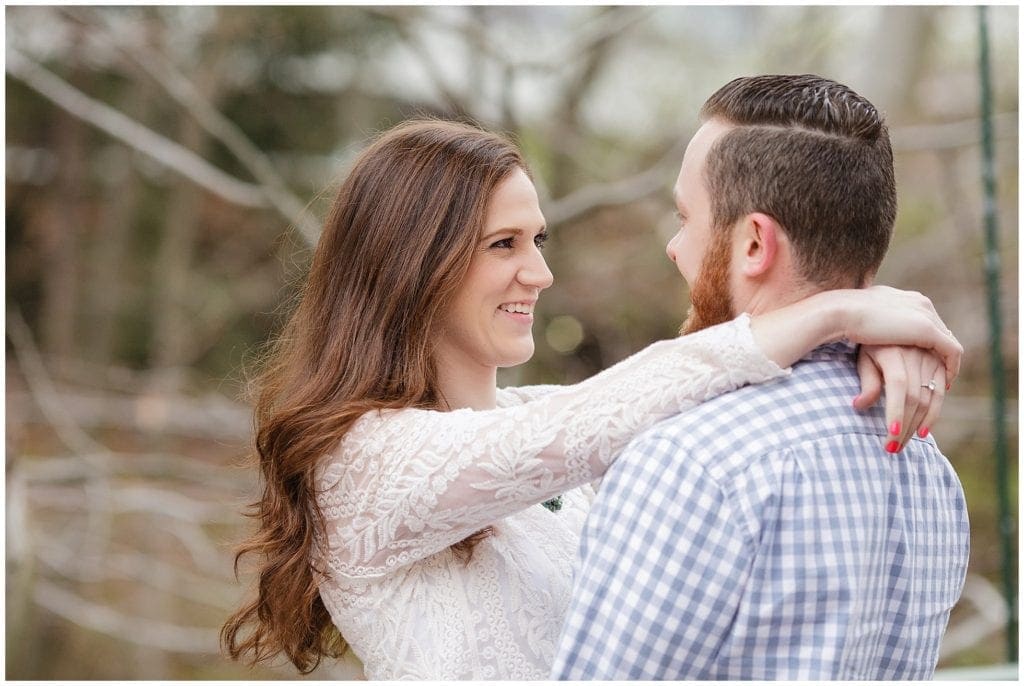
923	432
894	430
892	446
948	386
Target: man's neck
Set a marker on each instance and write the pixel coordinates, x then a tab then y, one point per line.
769	298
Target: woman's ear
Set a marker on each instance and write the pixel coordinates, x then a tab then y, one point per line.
761	236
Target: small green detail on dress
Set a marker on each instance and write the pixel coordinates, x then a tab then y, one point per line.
555	504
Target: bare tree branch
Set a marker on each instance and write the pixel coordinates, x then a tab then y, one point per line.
627	190
184	92
168	507
107	119
604	26
559	56
141	631
200	548
18	532
154	465
167	504
45	394
950	135
253	291
146	570
453	100
180	517
567	132
207	417
97	488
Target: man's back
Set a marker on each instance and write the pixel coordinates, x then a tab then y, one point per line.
766	535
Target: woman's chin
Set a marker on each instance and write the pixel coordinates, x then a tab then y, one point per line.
517	355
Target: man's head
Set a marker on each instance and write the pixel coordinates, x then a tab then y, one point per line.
786	189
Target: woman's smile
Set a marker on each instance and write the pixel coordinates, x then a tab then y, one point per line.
519	312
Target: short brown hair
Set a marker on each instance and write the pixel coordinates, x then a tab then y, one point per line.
816	157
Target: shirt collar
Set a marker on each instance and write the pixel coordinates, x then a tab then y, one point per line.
840	350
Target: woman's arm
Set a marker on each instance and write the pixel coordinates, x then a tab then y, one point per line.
406	484
879	314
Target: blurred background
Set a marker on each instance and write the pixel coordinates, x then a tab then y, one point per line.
167	169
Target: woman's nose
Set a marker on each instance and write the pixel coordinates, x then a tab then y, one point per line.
535	272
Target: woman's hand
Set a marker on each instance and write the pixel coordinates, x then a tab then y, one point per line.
887	316
910	405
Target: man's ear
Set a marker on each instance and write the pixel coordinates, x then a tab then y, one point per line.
761	241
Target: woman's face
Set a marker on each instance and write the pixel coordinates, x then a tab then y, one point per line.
490	321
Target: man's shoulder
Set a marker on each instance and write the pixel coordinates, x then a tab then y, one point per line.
735	428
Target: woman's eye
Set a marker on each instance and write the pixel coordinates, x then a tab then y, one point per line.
503	243
540	239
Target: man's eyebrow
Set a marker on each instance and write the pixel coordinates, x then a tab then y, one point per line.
680	207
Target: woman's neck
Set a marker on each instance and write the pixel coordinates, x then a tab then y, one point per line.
468	386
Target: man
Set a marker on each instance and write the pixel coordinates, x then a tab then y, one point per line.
764	535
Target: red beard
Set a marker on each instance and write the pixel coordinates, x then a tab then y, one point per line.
710	299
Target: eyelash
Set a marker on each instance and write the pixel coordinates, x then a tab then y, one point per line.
507	243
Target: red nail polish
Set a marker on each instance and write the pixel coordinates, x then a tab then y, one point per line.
894	430
923	432
892	447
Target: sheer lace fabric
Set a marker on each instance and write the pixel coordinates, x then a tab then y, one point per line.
405	485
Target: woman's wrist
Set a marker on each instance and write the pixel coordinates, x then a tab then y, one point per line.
835	313
788	333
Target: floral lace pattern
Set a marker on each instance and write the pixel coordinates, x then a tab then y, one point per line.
405	485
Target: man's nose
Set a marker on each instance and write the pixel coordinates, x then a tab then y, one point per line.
670	249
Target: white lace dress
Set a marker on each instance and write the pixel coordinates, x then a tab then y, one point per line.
405	485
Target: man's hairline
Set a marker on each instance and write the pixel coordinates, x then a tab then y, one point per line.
735	126
722	118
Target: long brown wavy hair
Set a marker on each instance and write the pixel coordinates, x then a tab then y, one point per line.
395	249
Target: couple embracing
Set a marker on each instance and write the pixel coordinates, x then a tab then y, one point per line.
734	504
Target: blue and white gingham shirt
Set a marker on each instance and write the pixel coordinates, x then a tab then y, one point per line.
766	534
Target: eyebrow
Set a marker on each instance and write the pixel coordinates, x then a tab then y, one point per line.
514	230
680	206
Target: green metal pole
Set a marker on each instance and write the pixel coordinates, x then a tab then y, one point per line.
988	175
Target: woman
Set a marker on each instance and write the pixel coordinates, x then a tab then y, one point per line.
402	488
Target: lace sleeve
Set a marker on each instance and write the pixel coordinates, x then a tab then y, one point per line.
516	395
406	484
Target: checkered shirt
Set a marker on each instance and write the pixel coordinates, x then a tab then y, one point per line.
766	534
